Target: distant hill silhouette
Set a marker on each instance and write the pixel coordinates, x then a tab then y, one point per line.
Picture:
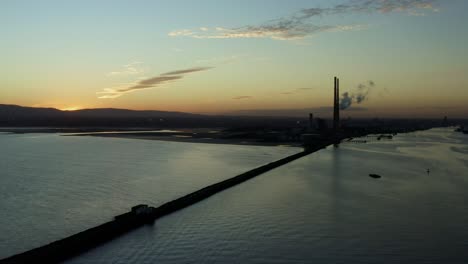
14	111
14	115
20	116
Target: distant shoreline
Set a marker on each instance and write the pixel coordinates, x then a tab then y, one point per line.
200	135
190	139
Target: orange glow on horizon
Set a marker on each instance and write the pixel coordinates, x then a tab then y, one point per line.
71	108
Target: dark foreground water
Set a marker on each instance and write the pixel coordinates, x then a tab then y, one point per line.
53	186
323	209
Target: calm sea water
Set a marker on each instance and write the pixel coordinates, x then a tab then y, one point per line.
322	208
53	186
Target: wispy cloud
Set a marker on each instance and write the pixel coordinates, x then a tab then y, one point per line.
182	32
372	6
299	25
242	97
279	31
179	72
295	91
133	68
110	93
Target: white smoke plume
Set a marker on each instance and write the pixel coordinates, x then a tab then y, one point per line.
358	96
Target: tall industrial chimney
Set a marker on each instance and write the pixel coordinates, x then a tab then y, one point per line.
336	105
311	122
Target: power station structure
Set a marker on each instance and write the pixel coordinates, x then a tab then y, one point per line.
336	106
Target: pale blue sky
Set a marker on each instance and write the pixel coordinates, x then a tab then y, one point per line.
67	54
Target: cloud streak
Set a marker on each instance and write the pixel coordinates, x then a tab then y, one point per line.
242	97
110	93
299	26
371	6
278	31
295	91
132	68
186	71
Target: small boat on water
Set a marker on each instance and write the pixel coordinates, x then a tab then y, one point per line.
375	176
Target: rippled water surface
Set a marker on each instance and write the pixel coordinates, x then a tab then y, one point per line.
323	208
53	186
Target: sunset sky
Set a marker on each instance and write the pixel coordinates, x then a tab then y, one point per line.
406	58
